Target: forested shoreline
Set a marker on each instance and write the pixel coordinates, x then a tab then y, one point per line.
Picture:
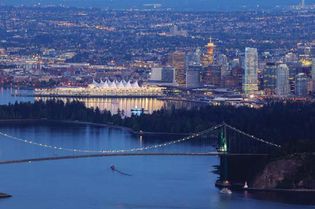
279	122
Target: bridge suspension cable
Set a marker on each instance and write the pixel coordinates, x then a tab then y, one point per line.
252	136
193	136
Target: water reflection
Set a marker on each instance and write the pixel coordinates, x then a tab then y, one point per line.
127	104
111	104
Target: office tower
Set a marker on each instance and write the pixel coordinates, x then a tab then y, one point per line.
210	51
193	76
178	61
301	85
212	75
224	63
313	66
283	86
163	75
250	85
194	58
269	78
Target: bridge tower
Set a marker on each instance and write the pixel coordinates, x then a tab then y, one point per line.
222	143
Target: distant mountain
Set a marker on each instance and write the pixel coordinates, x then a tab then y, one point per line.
193	5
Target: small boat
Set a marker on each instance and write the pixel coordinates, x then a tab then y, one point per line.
226	191
113	167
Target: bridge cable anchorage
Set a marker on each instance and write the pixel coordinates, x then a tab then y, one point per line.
137	149
252	136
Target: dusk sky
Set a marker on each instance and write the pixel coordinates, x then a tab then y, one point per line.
177	4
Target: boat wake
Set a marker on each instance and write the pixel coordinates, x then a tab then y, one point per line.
113	168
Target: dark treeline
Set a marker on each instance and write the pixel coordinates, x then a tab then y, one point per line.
279	122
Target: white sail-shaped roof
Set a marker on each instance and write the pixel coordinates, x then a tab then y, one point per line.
135	85
112	84
105	84
128	85
120	85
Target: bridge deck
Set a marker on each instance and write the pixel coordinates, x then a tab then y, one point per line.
123	155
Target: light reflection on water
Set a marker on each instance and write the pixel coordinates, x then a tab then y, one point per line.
157	182
111	104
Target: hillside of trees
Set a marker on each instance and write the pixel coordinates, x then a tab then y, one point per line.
279	122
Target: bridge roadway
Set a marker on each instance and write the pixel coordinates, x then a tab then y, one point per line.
30	160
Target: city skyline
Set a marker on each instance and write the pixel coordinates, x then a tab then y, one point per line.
193	5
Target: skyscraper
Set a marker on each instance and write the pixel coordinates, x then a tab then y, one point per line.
224	63
193	76
282	87
270	78
162	75
301	85
178	61
250	85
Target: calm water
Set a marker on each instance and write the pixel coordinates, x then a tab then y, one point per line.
155	182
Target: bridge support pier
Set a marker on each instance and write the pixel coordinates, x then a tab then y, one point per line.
223	146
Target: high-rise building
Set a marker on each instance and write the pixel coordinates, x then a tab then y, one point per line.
210	51
162	75
193	76
250	85
283	86
270	78
301	85
178	61
313	66
212	75
224	63
194	58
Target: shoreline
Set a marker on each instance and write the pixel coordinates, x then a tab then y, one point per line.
139	133
239	187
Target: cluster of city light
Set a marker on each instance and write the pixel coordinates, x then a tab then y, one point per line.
107	88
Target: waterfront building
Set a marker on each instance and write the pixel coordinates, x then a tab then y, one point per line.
283	86
301	85
105	88
270	78
250	85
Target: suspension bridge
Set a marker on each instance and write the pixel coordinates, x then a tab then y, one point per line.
230	141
